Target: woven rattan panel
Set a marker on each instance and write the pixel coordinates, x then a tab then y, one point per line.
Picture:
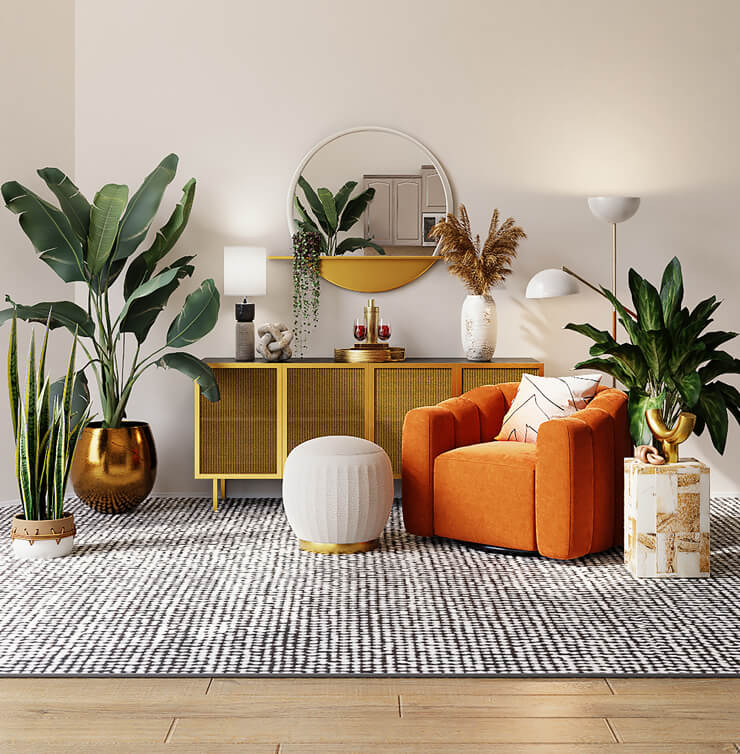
493	375
398	390
238	435
324	401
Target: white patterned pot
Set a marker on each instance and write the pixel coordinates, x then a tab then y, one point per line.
42	540
337	493
479	327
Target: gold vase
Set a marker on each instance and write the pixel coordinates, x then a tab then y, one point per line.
113	470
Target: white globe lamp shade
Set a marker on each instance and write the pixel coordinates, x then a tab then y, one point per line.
614	209
245	271
550	284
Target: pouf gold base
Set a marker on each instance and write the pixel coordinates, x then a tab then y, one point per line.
328	548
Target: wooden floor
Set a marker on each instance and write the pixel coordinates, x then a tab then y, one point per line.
369	715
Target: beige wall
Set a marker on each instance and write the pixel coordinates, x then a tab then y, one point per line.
36	129
530	106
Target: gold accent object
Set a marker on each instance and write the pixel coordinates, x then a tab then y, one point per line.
370	350
328	548
113	470
34	531
372	274
267	409
669	439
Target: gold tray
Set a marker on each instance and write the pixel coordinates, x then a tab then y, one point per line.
367	353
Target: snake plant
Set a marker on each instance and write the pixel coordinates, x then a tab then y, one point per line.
670	363
46	422
334	214
92	244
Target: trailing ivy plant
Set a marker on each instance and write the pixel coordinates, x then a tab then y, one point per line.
669	363
306	287
92	244
334	214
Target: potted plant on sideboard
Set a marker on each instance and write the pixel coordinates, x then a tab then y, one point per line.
670	365
47	423
115	463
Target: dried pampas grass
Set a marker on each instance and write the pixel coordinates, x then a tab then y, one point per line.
479	268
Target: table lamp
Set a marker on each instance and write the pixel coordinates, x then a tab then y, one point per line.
245	274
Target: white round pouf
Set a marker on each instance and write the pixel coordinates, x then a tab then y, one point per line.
337	493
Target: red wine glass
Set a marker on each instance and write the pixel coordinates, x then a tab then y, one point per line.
360	329
384	329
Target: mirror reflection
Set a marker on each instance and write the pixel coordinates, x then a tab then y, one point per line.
369	193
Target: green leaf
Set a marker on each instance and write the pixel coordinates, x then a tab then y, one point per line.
143	206
637	404
647	303
74	205
80	397
656	349
141	269
198	316
714	412
713	340
598	336
630	357
311	228
159	281
720	363
690	387
48	229
330	210
105	215
57	497
342	196
351	244
610	367
143	312
23	470
194	368
671	290
58	313
14	388
700	316
315	204
354	209
732	398
31	418
628	322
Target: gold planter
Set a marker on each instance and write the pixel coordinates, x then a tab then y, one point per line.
113	470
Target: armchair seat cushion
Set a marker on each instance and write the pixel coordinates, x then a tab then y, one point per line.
485	493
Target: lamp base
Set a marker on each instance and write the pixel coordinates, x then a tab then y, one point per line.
244	341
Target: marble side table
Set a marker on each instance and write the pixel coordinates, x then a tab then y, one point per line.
666	519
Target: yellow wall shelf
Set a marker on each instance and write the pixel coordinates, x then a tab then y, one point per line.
372	274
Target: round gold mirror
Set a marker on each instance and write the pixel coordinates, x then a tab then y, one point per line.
372	194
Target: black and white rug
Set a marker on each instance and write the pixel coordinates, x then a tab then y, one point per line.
172	588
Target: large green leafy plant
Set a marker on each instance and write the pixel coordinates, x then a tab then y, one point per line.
670	362
93	244
334	214
46	424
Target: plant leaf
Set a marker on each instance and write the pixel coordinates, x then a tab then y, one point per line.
315	204
143	206
720	363
57	313
141	269
159	281
74	205
714	412
197	318
610	367
105	215
330	210
143	312
690	387
647	303
354	209
194	368
14	388
637	404
48	229
671	290
598	336
351	244
342	196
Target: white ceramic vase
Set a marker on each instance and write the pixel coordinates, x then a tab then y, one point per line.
478	327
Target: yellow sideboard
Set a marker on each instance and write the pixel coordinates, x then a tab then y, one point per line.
267	409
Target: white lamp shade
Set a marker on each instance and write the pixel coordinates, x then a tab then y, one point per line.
614	209
550	284
245	271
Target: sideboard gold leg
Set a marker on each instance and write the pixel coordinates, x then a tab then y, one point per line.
215	494
223	489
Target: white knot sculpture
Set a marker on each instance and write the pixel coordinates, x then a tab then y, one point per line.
274	342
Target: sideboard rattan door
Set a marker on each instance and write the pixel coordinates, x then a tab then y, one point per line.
397	390
323	399
493	375
238	435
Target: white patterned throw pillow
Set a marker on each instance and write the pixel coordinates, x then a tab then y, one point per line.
541	398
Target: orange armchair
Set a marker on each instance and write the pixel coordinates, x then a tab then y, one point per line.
561	497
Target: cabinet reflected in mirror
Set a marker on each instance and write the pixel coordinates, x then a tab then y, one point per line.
370	191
